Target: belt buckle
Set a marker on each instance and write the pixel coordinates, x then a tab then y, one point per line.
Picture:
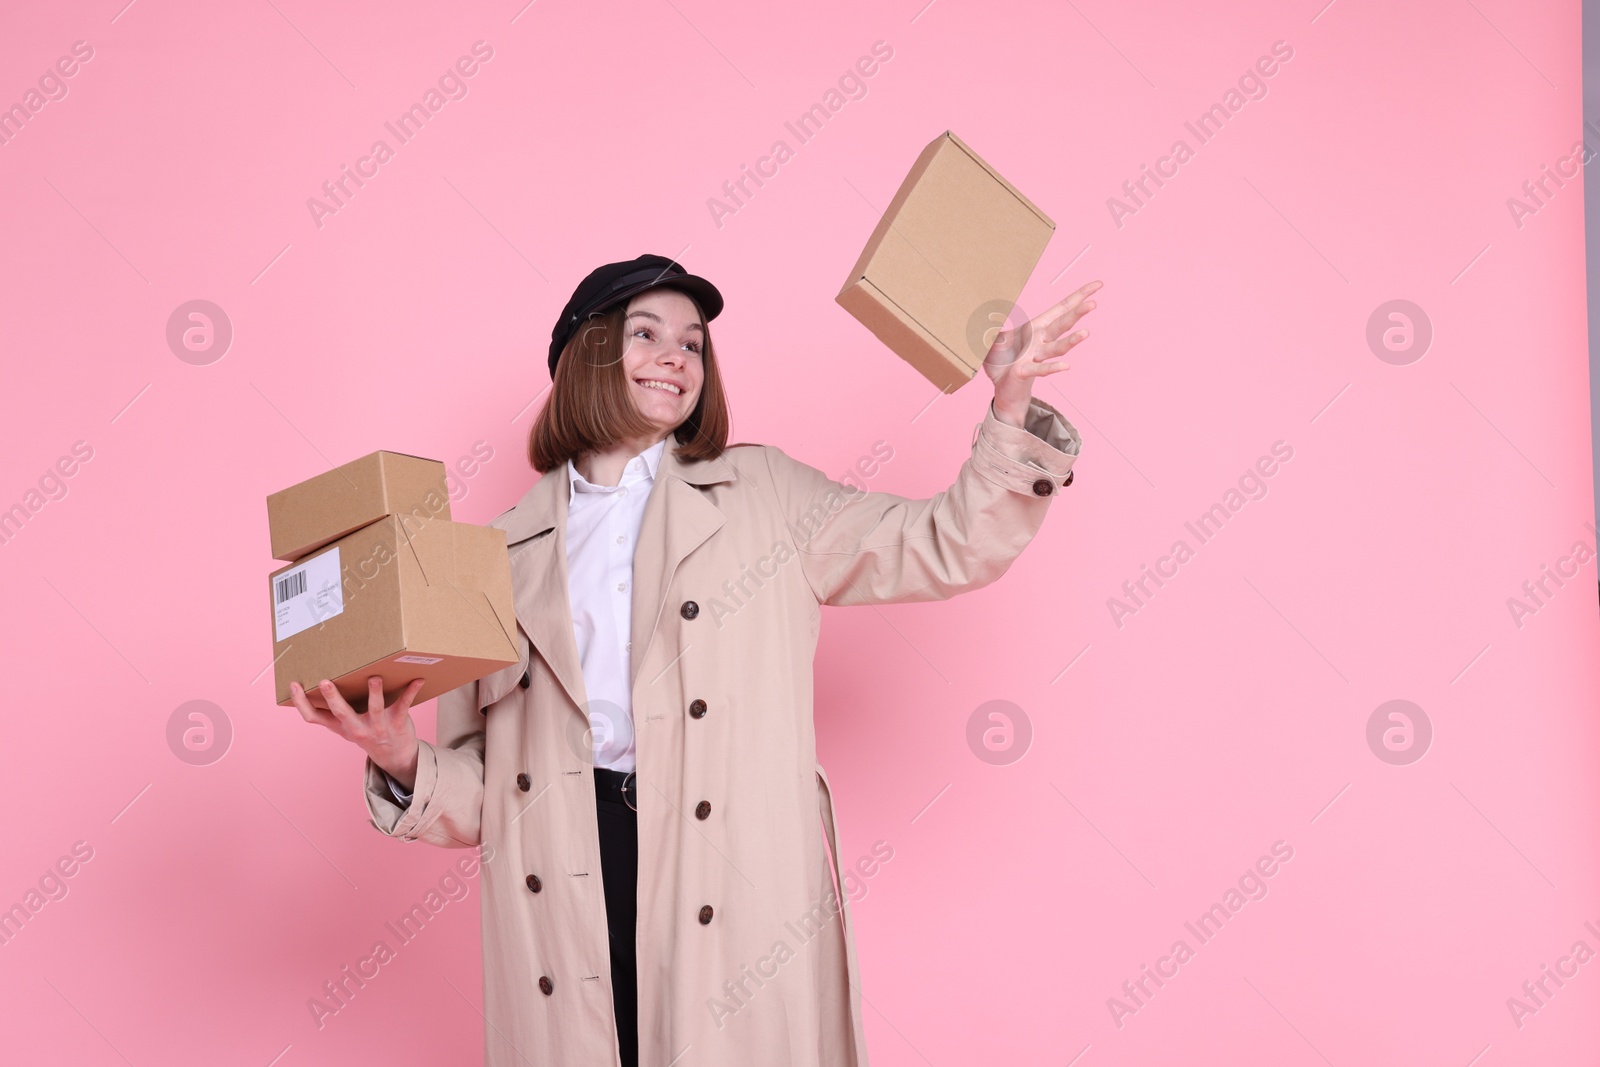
631	777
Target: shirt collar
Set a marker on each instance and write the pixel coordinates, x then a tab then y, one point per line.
651	457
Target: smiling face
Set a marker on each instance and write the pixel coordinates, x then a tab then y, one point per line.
662	360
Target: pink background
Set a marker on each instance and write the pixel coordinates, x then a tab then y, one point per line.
1228	714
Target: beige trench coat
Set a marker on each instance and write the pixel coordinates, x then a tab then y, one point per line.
735	555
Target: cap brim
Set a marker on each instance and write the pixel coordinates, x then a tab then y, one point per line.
703	292
697	288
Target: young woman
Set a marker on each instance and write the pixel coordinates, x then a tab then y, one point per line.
660	878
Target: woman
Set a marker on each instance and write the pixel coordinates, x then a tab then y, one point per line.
643	782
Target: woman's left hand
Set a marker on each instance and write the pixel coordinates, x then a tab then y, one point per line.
1032	350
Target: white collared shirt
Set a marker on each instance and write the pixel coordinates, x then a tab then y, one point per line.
603	524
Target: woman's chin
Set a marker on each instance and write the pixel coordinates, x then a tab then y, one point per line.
662	421
663	414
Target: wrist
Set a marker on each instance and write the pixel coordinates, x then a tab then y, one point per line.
1010	411
401	767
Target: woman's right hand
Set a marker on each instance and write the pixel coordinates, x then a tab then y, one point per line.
388	735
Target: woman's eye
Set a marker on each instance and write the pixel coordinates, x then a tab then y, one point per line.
693	346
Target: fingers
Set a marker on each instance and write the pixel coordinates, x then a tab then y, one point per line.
337	704
1049	359
1060	318
1038	355
1053	349
1011	343
308	712
1085	290
402	704
1071	300
1060	326
1066	321
343	719
312	696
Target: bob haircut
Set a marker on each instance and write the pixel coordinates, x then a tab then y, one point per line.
590	407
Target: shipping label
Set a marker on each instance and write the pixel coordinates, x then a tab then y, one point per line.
306	595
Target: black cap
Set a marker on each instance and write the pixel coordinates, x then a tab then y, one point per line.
605	286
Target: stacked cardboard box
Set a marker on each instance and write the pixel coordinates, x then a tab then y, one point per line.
942	271
382	582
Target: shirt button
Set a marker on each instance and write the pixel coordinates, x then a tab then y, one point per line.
705	915
697	708
689	610
524	783
534	883
702	810
622	537
545	985
1043	487
621	586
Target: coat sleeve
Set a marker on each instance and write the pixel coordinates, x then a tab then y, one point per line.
865	547
446	805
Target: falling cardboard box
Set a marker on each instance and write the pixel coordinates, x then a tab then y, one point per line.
946	263
409	594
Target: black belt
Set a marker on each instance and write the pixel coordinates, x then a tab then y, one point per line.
617	787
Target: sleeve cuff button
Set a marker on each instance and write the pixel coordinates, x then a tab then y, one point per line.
1043	487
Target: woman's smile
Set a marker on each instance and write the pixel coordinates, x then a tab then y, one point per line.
662	384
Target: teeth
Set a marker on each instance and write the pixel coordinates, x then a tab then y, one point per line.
650	384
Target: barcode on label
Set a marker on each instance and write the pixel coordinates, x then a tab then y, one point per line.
291	586
308	595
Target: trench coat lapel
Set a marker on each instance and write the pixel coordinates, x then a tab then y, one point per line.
678	518
536	535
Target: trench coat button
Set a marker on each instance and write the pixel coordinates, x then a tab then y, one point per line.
689	610
524	783
526	679
697	708
705	915
546	986
1043	487
703	809
1068	480
534	883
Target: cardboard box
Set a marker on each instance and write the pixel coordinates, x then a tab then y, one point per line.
304	517
400	598
946	263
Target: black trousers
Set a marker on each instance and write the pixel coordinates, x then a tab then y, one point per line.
619	869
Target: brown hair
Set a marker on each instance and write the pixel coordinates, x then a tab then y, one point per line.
590	407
